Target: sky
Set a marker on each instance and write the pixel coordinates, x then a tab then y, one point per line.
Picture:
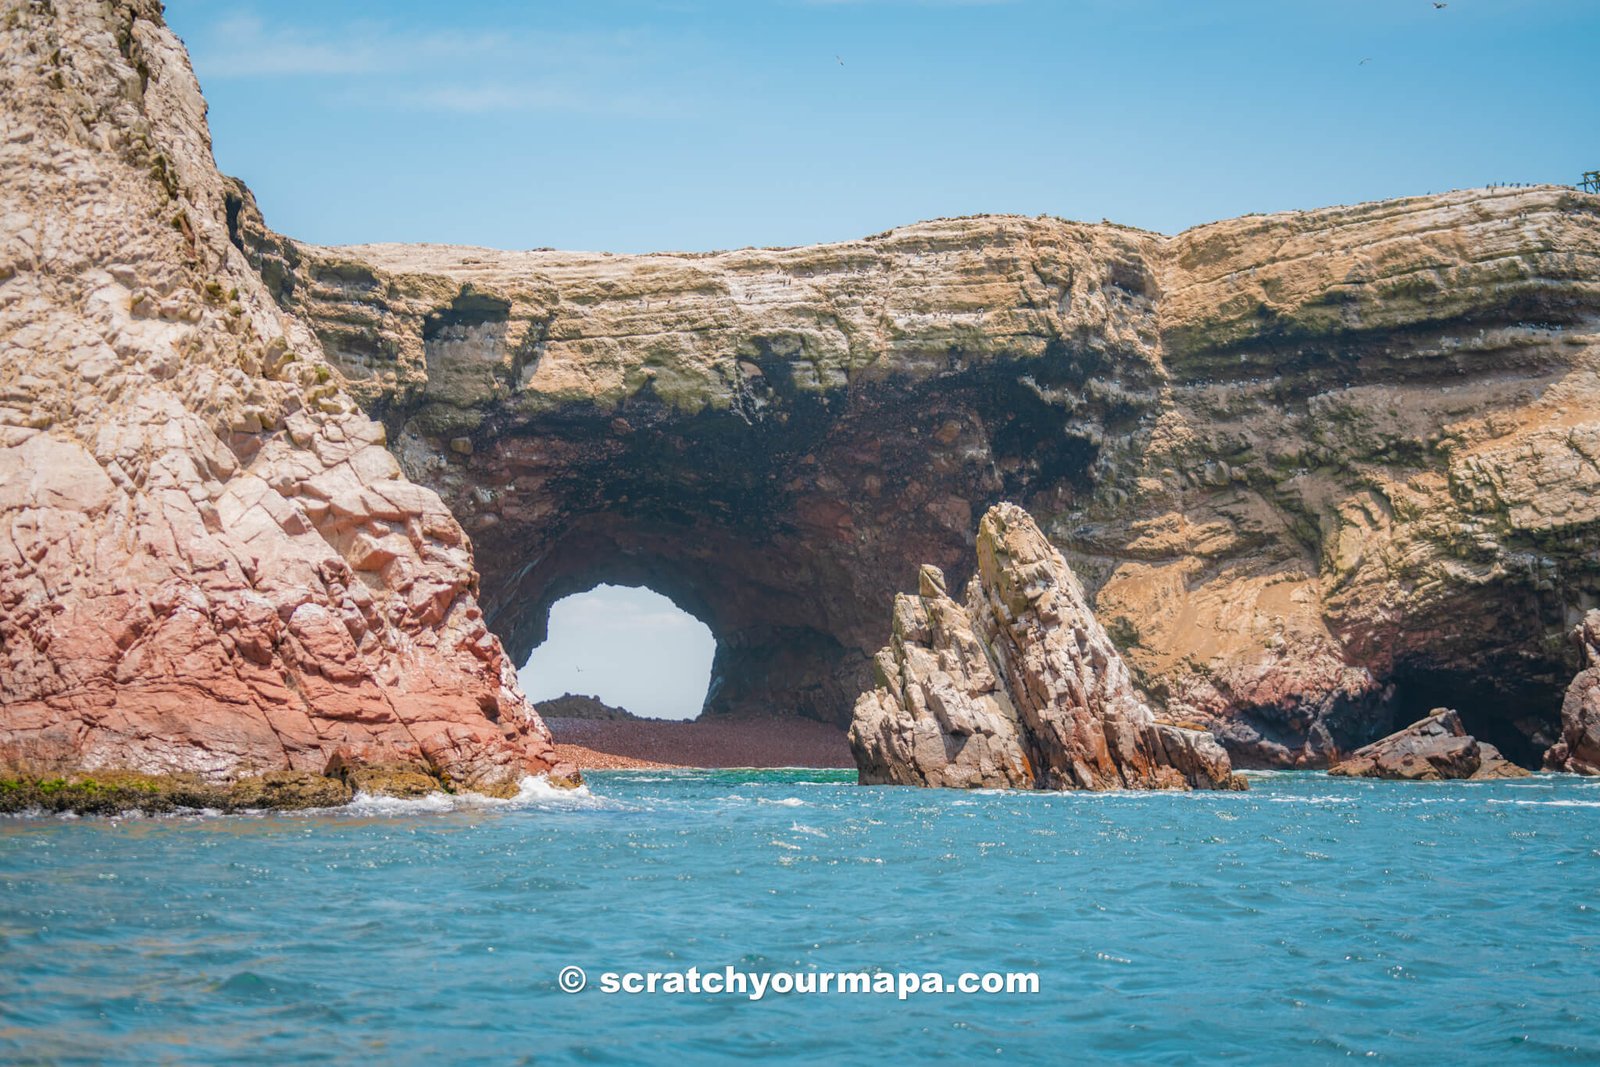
631	647
633	125
638	125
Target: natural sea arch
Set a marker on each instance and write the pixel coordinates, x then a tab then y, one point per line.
787	537
775	439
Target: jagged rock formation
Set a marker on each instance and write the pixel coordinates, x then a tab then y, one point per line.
1429	750
210	563
1578	749
1018	688
1322	471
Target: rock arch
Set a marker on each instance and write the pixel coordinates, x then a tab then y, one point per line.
1297	459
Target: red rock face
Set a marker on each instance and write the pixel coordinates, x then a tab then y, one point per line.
209	561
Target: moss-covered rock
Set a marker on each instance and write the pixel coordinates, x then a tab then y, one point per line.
107	793
113	792
392	780
288	790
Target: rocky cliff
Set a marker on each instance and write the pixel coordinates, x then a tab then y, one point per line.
210	563
1019	687
1320	471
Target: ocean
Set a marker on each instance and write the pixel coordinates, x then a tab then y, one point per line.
1309	920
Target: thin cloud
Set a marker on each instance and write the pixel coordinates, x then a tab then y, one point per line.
245	46
501	98
443	71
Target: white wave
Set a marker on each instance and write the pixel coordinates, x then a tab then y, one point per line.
1551	803
802	828
369	804
1312	800
786	802
535	791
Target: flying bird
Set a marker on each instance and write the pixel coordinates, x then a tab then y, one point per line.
841	62
1364	62
1439	6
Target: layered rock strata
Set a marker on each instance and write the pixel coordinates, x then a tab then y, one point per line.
1320	471
1429	750
1578	749
211	565
1020	687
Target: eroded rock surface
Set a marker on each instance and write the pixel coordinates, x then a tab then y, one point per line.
1320	470
1019	687
210	562
1578	749
1429	750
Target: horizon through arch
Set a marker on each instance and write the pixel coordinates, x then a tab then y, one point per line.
628	646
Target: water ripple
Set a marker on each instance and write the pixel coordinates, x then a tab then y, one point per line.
1311	919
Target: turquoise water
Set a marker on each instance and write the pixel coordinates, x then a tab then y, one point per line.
1310	920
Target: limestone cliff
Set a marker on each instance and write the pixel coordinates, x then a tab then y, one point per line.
1019	687
1321	471
210	563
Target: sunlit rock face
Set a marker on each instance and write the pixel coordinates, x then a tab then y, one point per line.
1318	471
1018	686
211	565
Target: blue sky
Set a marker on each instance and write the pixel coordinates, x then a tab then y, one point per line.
631	125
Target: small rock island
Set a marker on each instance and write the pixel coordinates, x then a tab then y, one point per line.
1019	687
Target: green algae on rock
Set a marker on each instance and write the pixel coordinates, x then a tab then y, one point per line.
113	792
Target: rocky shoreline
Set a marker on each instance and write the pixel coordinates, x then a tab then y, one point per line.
113	792
1435	749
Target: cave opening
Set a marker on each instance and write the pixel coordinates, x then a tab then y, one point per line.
626	646
1517	718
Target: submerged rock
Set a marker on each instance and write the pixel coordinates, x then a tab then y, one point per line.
1578	750
1429	750
1020	687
